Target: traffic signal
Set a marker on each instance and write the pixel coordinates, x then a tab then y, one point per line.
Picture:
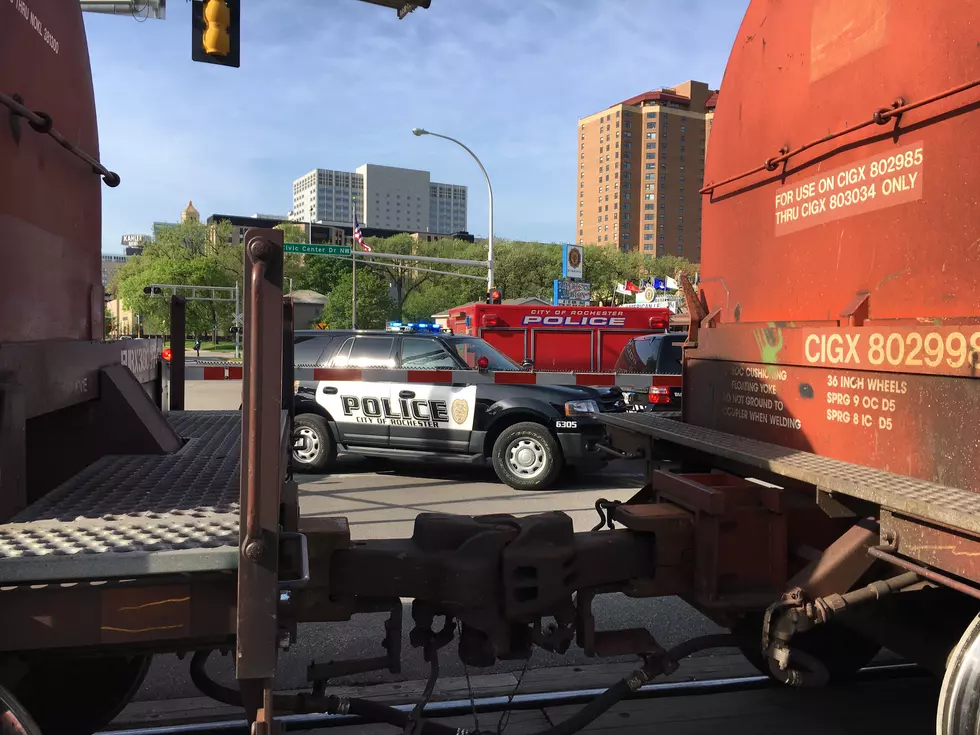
216	32
494	296
152	290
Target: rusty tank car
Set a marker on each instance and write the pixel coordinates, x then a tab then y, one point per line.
836	341
820	499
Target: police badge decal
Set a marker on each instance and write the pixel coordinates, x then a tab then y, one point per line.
460	410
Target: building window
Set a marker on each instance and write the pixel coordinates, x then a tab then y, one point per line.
648	237
648	217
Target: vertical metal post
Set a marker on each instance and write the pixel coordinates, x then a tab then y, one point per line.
262	471
353	269
288	363
238	327
178	328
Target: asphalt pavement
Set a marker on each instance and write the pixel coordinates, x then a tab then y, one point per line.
381	500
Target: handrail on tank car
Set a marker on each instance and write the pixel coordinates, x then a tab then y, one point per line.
42	123
880	117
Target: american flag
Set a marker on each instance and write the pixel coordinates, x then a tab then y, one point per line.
359	236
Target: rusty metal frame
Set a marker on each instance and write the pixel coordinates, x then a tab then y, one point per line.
159	615
262	471
945	555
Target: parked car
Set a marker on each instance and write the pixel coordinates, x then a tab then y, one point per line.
527	433
655	354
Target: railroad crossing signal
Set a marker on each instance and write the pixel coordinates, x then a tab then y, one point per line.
495	296
152	290
216	32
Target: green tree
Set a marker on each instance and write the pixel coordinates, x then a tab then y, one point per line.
523	269
190	254
437	298
374	306
321	273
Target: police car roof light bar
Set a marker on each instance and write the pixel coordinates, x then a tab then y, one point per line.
416	327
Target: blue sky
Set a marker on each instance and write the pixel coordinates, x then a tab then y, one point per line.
338	83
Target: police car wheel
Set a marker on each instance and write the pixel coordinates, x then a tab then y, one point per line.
527	457
313	447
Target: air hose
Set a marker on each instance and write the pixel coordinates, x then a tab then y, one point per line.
377	712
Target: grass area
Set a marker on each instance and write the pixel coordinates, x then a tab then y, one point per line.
207	346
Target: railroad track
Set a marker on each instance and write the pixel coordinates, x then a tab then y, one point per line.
521	702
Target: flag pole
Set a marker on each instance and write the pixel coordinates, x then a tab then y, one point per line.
353	269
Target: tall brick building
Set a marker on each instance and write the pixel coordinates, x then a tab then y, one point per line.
641	163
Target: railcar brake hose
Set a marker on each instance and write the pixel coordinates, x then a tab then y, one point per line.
377	712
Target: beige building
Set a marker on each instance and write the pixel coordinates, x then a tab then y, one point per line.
641	163
122	321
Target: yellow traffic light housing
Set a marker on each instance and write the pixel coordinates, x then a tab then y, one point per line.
216	32
217	17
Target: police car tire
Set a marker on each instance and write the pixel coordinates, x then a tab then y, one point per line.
552	457
328	450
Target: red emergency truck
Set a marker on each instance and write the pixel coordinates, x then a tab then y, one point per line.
576	338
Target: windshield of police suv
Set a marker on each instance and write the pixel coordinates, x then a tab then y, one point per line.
472	349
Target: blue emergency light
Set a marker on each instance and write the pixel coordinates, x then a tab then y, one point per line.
416	327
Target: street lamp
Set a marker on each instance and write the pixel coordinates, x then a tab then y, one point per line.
423	131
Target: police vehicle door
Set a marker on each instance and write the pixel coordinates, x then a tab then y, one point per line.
434	416
360	408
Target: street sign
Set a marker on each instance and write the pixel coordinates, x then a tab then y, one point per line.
308	249
572	293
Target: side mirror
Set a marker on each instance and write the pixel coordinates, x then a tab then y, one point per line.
528	364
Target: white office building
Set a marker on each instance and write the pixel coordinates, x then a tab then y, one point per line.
383	196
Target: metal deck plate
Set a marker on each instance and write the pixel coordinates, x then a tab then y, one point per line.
137	515
942	504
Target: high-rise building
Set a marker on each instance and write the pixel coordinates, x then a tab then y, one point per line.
641	163
383	197
110	264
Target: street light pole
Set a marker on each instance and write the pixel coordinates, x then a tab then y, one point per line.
422	131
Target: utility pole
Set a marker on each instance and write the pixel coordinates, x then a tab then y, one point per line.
353	285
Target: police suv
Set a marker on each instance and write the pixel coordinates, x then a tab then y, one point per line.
527	432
